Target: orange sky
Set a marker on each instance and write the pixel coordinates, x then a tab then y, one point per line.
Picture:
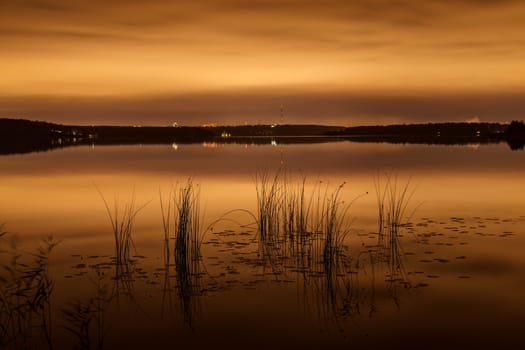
237	61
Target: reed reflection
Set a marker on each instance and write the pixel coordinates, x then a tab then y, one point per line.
86	319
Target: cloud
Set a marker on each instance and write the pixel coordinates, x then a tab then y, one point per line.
366	22
160	47
23	33
270	15
236	107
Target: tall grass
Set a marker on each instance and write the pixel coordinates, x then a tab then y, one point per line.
313	225
334	225
181	217
269	204
166	225
25	298
393	200
122	217
307	230
187	224
297	209
381	192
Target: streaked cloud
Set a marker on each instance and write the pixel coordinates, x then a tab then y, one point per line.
263	106
97	50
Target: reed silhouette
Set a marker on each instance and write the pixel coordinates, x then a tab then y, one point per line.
287	215
302	231
25	296
122	217
393	201
181	218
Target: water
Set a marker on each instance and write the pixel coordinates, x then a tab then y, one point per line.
455	277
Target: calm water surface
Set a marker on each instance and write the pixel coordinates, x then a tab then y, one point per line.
457	278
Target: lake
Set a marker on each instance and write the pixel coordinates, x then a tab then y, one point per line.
445	268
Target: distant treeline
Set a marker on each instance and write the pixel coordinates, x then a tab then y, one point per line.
22	136
427	130
277	130
147	134
439	133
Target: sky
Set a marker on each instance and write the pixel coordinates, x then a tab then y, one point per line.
347	62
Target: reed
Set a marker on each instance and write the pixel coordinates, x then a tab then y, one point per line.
280	215
310	227
399	197
122	217
187	224
283	207
296	209
393	199
25	298
166	225
381	192
187	248
181	217
269	196
334	225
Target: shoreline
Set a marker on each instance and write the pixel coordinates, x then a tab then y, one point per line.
18	136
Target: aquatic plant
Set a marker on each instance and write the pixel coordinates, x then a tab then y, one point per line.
181	218
25	297
296	209
122	217
269	196
399	197
380	198
334	224
309	227
166	222
393	200
187	224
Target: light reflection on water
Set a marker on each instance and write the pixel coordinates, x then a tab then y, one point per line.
461	257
